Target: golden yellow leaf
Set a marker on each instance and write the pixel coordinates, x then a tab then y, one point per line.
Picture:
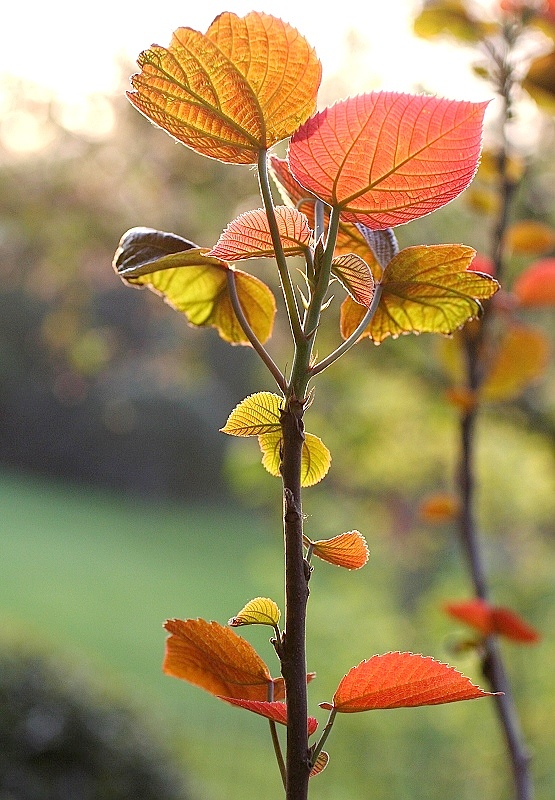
240	88
260	611
201	293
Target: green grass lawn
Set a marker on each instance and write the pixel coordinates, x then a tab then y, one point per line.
94	575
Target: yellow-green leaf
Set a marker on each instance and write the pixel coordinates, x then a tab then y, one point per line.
315	462
241	87
270	444
257	414
201	293
424	290
449	17
260	611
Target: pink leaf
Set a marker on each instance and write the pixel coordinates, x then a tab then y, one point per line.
386	158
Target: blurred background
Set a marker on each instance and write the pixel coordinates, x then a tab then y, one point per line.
121	504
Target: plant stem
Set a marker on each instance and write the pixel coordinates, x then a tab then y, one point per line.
297	574
285	278
277	750
250	334
325	733
353	338
492	666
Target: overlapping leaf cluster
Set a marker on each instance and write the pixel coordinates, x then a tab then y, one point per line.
353	171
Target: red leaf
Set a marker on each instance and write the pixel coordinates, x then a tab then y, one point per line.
475	613
510	625
401	680
275	711
386	158
536	285
488	619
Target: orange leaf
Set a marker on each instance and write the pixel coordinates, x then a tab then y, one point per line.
488	619
248	236
347	550
386	158
536	285
530	236
214	658
240	88
521	359
439	508
401	680
276	711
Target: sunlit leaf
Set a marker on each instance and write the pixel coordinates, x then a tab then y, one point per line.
315	462
259	413
276	711
540	81
347	550
260	611
438	508
386	158
214	658
355	275
248	236
425	290
535	286
320	764
196	284
349	238
401	680
241	87
530	236
488	619
450	17
522	358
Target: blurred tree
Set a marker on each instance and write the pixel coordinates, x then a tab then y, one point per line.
73	400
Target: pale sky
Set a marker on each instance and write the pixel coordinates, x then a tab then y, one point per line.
70	47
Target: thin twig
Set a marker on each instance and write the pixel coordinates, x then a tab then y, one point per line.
250	334
353	338
285	277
